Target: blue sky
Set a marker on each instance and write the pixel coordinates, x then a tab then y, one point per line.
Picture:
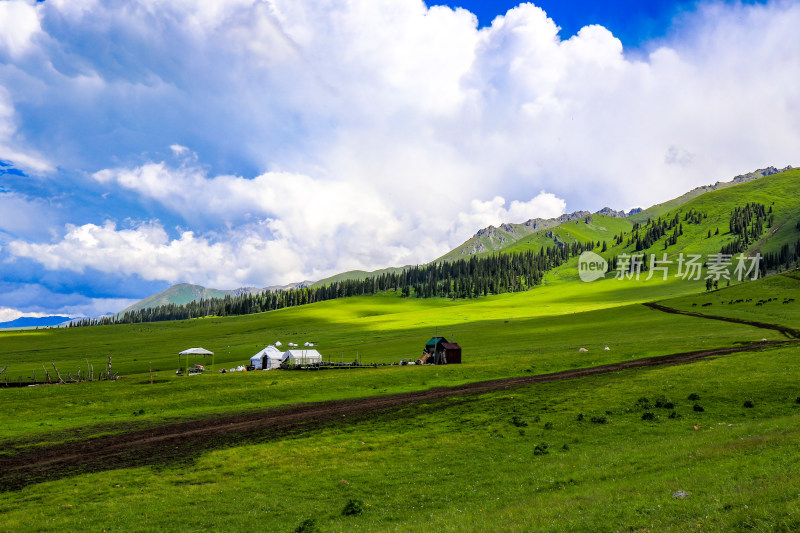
635	22
253	143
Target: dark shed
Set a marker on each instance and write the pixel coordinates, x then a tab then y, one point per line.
452	353
442	352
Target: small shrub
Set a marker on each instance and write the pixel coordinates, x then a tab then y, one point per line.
565	447
609	412
698	408
648	416
644	403
673	414
663	403
521	432
748	404
353	508
518	421
309	525
540	449
693	397
537	418
548	425
797	400
599	420
580	415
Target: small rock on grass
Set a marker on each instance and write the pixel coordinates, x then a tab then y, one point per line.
681	494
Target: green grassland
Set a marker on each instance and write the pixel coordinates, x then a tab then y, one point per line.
507	335
460	464
467	464
742	301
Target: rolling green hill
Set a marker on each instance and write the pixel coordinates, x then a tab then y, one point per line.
506	236
589	228
778	192
659	209
708	213
358	275
178	294
491	239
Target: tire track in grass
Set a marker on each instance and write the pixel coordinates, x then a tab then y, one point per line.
790	333
179	443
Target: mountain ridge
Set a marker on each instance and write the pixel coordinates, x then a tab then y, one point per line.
183	293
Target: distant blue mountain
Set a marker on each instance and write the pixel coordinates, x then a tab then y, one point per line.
32	322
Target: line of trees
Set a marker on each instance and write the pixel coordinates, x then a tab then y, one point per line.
645	236
464	278
747	225
784	259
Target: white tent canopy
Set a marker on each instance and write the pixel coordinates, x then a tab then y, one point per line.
268	358
196	351
302	357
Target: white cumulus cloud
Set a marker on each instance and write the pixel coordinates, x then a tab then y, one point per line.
312	137
19	24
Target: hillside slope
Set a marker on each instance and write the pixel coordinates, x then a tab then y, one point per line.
534	233
700	226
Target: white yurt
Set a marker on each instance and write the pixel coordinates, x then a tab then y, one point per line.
267	359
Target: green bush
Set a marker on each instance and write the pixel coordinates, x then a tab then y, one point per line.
353	508
648	416
548	425
599	420
540	449
518	421
580	415
748	404
698	408
309	525
693	397
673	414
644	403
663	403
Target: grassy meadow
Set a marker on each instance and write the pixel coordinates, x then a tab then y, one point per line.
538	331
525	459
461	464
